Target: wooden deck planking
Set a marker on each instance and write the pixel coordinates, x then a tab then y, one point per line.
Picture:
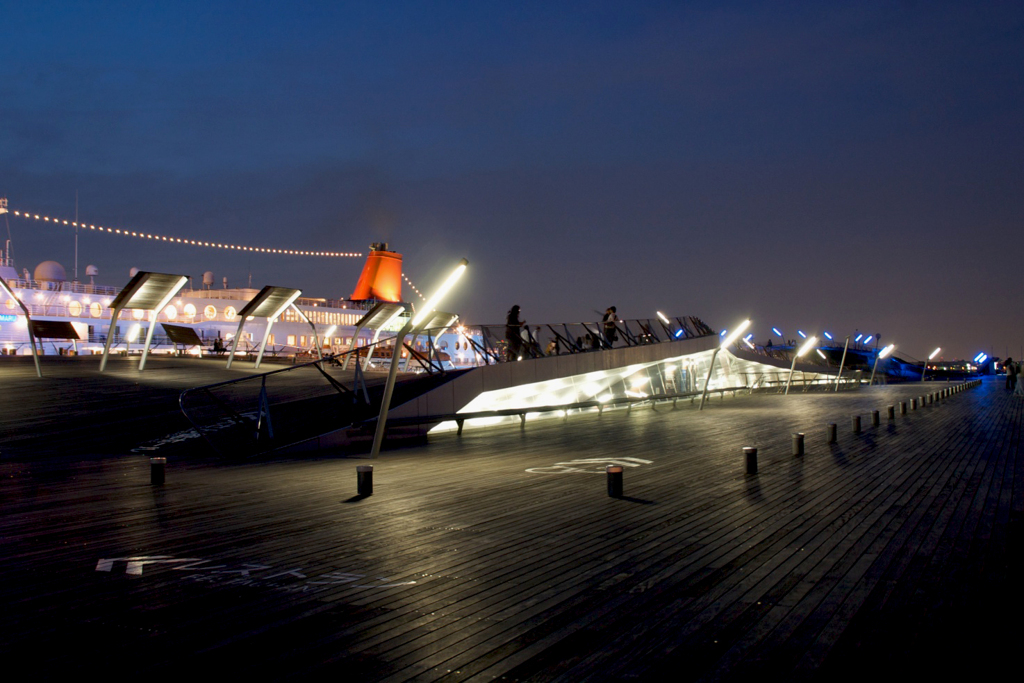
596	569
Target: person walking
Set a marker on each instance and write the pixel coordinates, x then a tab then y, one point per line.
514	333
1011	373
611	332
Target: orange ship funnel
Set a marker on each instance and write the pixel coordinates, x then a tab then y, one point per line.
381	278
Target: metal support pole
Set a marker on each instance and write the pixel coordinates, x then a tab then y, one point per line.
791	368
842	363
707	380
263	344
234	344
389	389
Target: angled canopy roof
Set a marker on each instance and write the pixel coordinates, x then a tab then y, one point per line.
436	320
147	291
53	329
270	302
380	315
180	334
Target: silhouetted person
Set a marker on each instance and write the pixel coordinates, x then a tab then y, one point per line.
514	333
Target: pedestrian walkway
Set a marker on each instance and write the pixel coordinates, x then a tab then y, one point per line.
499	554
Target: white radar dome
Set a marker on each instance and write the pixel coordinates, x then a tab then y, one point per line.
208	278
50	271
133	272
92	271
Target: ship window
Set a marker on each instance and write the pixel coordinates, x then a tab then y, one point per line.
302	340
210	312
230	313
95	309
337	341
270	339
75	308
171	312
190	310
291	340
138	313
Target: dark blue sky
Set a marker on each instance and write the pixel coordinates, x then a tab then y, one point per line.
823	165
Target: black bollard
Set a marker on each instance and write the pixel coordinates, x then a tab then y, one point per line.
913	404
903	407
156	470
798	443
830	431
874	418
614	480
891	412
931	399
364	480
750	453
856	424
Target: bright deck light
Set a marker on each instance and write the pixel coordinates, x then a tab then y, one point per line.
884	353
801	333
808	345
663	318
735	333
828	336
776	331
868	340
821	354
435	299
858	337
934	353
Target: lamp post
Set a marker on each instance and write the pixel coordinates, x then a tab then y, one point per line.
729	339
432	303
808	345
925	368
881	354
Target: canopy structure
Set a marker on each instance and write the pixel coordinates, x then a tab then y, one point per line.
377	319
269	303
28	319
55	329
147	292
186	336
433	325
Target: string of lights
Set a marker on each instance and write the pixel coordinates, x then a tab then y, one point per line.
184	240
409	282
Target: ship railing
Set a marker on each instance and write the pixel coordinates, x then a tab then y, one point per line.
502	343
66	287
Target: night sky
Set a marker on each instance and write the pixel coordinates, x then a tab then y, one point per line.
838	166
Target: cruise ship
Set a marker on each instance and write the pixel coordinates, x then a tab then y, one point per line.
212	311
